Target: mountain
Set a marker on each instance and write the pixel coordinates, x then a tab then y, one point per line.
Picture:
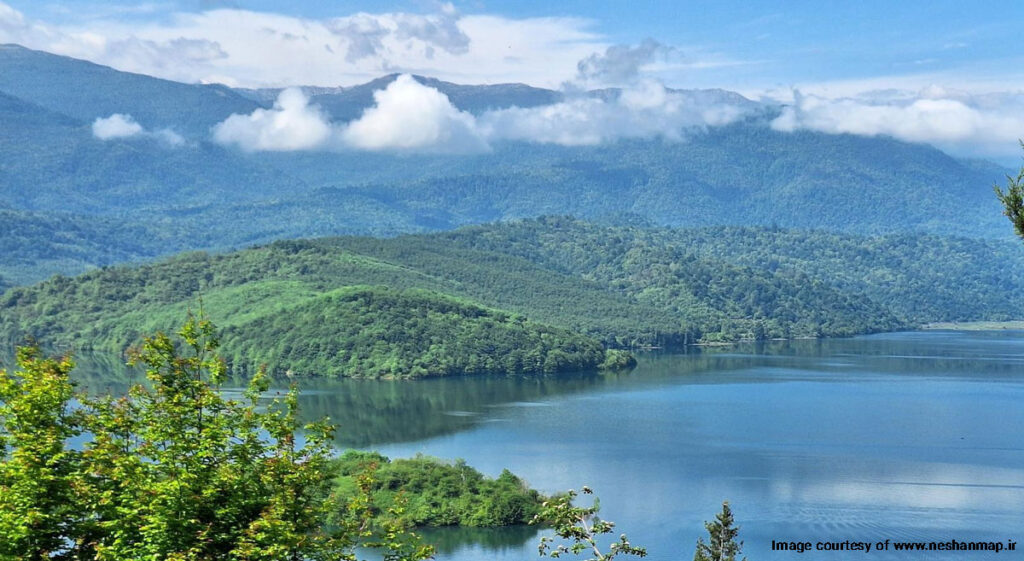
51	162
85	91
39	244
196	194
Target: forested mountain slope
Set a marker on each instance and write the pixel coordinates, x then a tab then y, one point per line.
623	286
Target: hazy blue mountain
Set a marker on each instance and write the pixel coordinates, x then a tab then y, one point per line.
743	174
52	162
85	91
36	245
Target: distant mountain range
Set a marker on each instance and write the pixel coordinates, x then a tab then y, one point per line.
70	201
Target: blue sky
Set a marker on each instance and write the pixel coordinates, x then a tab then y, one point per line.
743	44
949	73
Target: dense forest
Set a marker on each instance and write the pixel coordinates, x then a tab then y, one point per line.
366	332
917	277
460	302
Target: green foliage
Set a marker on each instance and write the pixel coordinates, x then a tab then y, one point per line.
172	471
39	508
580	528
379	528
722	544
618	360
1013	200
430	492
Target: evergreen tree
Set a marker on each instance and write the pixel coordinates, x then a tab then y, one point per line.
722	544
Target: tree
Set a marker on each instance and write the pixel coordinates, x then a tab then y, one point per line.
38	507
581	527
722	544
1013	200
174	471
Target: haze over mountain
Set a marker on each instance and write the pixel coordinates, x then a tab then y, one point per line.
151	166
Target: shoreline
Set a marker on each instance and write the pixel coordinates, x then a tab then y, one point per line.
973	325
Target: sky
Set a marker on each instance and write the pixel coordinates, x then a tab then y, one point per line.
945	72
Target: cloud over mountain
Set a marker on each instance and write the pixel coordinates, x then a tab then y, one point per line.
645	110
117	125
410	116
957	121
292	124
121	126
406	116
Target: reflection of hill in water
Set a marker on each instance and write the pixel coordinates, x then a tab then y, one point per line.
488	540
371	412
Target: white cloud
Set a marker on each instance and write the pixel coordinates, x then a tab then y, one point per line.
121	125
169	137
117	125
292	124
410	116
258	49
982	125
406	116
646	110
621	63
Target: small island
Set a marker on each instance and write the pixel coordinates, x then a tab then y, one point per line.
435	492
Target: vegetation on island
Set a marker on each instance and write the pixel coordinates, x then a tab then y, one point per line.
432	492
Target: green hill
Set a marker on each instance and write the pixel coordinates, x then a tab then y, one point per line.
481	298
369	332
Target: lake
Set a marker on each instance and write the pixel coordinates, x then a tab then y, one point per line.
904	436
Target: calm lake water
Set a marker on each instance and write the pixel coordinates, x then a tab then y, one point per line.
906	436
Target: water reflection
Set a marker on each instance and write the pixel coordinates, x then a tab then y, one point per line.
487	541
371	413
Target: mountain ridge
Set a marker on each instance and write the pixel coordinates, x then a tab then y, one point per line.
201	195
